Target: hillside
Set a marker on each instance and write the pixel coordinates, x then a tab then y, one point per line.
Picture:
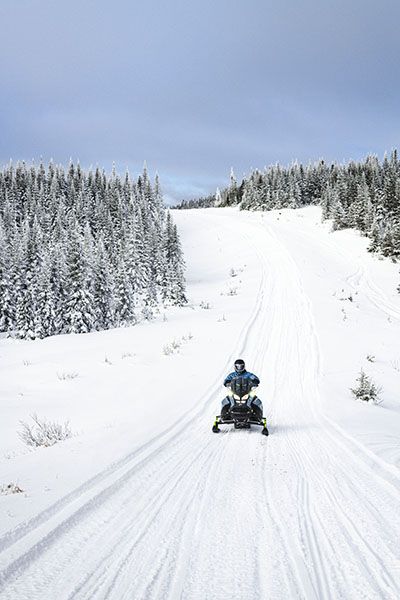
145	502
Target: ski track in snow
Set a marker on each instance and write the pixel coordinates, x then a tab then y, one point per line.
304	514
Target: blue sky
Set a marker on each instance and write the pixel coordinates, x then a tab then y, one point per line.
195	87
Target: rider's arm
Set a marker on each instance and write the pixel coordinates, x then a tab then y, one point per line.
228	379
255	379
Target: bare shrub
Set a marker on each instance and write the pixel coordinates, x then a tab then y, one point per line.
205	305
10	488
65	376
370	358
9	455
171	348
43	433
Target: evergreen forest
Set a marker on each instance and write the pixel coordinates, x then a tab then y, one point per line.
83	251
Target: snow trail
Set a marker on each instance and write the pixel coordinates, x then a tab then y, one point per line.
303	514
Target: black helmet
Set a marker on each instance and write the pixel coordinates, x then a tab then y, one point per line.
239	365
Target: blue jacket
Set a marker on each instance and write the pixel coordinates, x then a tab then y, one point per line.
245	374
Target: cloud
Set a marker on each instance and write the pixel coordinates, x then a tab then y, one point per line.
198	87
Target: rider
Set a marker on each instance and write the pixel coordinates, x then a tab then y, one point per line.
240	371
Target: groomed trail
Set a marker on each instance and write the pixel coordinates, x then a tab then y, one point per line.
307	513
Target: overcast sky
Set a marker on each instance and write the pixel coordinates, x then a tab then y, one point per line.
197	86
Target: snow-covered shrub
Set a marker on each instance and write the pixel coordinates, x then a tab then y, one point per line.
43	433
366	389
171	348
232	273
64	376
175	346
10	488
127	355
9	455
107	360
395	364
370	358
26	363
232	291
205	305
188	337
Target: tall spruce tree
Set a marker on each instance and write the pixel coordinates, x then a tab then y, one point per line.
81	251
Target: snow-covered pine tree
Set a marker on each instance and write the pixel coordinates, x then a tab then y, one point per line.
173	288
78	251
366	389
7	307
79	315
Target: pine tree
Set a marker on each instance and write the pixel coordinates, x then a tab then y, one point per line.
7	309
104	288
173	289
124	299
366	390
79	313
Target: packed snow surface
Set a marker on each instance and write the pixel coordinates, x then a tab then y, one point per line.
144	502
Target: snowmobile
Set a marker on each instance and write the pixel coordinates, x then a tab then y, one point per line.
241	413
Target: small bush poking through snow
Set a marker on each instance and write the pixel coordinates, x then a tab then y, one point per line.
43	433
395	364
65	376
175	346
370	357
188	337
366	389
232	273
10	488
205	305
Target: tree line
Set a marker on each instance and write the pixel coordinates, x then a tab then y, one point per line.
363	195
83	251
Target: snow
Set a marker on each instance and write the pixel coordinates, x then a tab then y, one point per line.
145	502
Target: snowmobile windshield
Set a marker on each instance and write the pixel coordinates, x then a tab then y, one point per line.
241	386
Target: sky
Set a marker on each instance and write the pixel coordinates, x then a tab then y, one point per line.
195	87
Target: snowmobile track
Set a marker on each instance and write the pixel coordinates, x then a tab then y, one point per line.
303	514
